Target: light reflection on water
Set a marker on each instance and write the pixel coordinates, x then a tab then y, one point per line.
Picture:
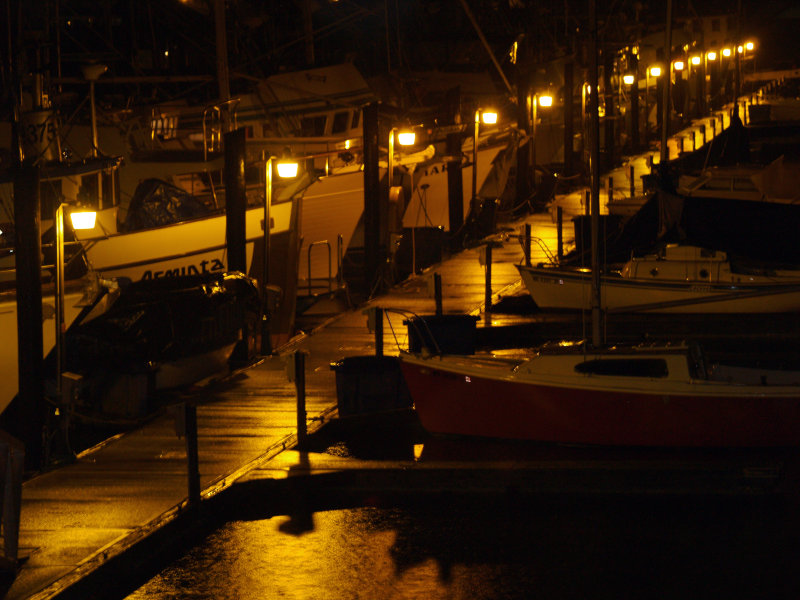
489	550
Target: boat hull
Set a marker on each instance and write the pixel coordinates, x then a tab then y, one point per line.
564	289
199	248
452	397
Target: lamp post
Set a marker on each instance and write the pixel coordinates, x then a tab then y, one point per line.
489	117
405	137
655	72
286	169
709	56
80	220
545	101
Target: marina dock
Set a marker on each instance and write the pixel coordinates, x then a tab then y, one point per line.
118	503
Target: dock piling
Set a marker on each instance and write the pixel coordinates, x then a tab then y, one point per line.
192	461
488	286
300	386
437	292
526	248
631	178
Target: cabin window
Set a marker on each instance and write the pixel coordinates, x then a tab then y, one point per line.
340	120
625	367
313	126
746	185
718	184
356	118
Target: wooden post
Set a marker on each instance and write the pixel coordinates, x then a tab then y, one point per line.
372	194
25	417
569	119
300	386
437	292
632	180
455	186
527	244
610	191
559	232
488	286
378	312
235	200
192	460
235	220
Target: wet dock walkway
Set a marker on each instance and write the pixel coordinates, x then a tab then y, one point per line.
80	517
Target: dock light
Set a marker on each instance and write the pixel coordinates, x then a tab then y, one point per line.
80	220
545	101
711	55
726	52
489	117
749	46
740	49
696	60
655	71
627	79
678	65
406	138
84	219
286	168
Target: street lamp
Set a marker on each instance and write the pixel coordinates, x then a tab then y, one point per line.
286	169
80	220
489	117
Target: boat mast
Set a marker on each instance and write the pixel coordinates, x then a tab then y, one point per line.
665	109
594	167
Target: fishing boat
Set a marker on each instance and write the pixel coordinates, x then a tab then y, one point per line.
679	279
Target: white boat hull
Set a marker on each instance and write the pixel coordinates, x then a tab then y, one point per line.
553	288
9	364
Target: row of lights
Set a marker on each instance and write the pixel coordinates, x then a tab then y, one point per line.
679	65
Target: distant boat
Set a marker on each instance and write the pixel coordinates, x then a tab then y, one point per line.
666	397
680	279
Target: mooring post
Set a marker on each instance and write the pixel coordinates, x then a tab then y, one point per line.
192	462
559	233
378	316
488	287
437	292
527	246
300	386
631	175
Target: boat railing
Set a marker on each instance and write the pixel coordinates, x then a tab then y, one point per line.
526	240
338	278
215	122
417	327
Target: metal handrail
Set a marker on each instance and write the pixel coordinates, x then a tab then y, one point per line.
330	276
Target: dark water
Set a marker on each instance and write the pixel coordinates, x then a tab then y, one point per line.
500	546
481	551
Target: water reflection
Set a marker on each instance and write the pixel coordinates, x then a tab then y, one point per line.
477	550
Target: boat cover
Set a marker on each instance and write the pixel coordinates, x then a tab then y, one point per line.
156	202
